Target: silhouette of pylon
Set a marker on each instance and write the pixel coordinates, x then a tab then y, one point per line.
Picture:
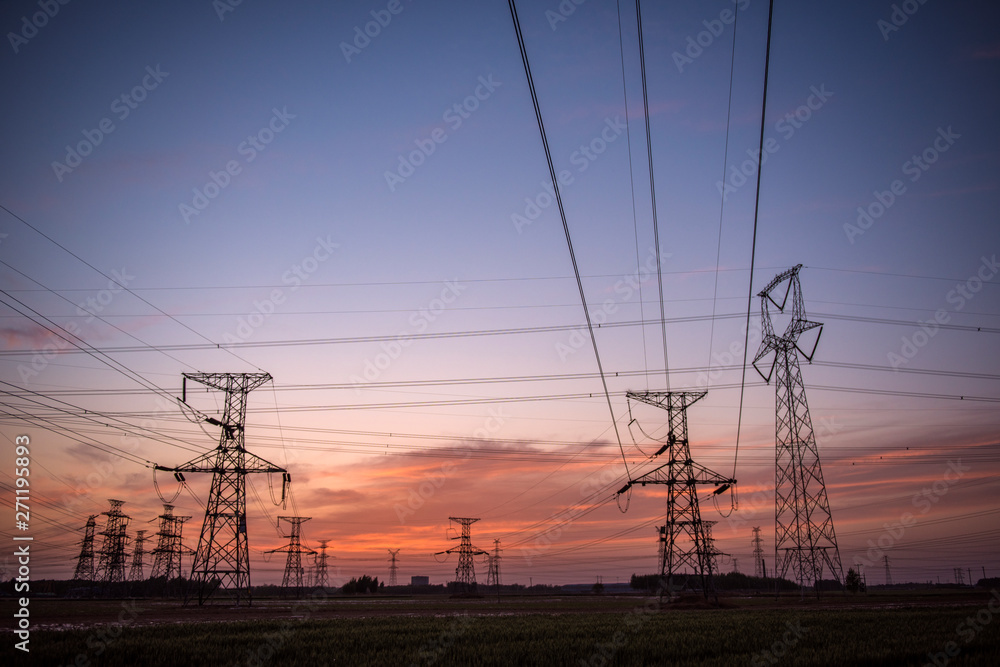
292	580
222	559
393	553
85	570
111	565
465	572
804	538
138	554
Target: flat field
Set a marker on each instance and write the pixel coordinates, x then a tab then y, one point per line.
888	629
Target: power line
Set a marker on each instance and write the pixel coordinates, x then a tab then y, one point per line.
753	243
562	216
652	196
113	280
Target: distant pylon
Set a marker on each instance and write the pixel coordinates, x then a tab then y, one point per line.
684	536
888	574
169	545
959	576
465	573
222	559
493	578
804	540
162	566
85	561
392	566
111	565
736	565
758	554
138	553
322	579
294	549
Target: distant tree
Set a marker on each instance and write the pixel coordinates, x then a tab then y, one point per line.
853	580
644	582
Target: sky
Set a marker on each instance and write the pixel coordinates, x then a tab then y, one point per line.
354	198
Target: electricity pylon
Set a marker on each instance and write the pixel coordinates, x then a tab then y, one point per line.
493	577
888	574
804	538
392	566
322	577
465	573
294	549
759	568
138	553
684	535
111	565
169	545
223	556
85	561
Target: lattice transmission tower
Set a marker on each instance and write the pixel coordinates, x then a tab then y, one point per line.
293	578
111	563
805	542
393	553
85	570
138	555
685	539
465	572
169	545
322	578
888	574
493	577
222	559
759	568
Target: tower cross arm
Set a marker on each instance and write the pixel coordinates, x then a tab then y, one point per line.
662	475
208	462
223	381
661	399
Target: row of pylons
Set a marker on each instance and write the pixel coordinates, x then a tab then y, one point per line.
805	541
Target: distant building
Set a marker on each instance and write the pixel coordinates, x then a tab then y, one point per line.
420	581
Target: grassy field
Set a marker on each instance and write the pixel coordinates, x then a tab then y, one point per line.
552	631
